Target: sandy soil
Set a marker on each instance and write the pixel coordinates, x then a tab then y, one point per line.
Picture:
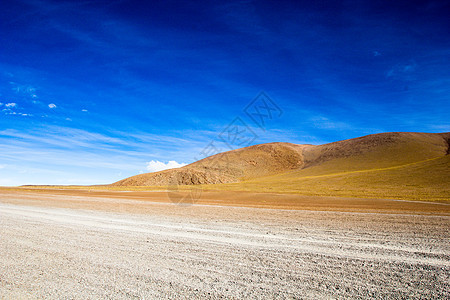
124	245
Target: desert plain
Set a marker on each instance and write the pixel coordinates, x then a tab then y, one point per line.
91	244
224	149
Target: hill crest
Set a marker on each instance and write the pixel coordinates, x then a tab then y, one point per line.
275	159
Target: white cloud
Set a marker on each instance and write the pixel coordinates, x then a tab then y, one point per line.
84	110
51	105
156	165
10	105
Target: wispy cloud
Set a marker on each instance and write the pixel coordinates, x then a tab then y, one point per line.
52	105
402	71
325	123
17	114
25	89
440	128
73	152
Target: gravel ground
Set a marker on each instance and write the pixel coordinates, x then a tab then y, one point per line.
221	252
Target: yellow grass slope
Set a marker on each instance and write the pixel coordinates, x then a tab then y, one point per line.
425	180
389	165
374	152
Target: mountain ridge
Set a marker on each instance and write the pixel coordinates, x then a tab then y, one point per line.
278	159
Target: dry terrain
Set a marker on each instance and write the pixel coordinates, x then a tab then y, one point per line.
82	244
396	165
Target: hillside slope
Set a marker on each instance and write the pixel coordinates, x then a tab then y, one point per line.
398	165
374	152
424	180
232	166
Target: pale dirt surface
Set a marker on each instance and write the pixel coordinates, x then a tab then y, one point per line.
65	246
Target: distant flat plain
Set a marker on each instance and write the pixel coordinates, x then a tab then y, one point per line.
89	244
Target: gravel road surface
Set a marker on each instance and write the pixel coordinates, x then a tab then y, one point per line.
219	252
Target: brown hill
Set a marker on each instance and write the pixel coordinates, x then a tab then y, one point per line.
286	162
232	166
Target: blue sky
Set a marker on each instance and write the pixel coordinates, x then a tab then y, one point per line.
95	91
